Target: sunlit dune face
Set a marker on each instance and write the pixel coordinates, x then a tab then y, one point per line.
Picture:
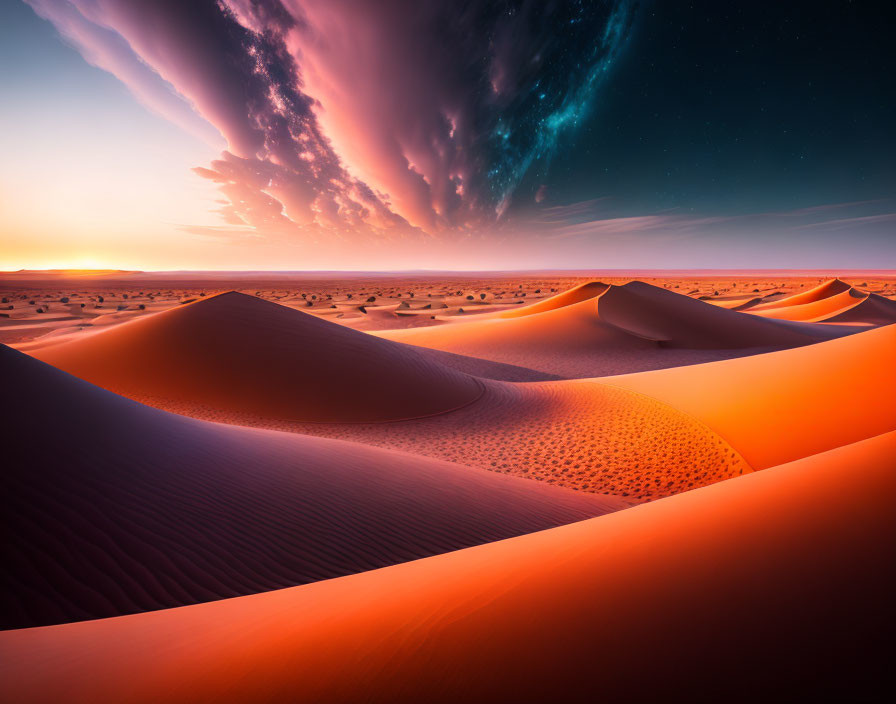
695	578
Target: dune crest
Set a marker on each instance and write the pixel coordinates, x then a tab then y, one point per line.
577	294
112	507
749	583
815	311
824	290
239	353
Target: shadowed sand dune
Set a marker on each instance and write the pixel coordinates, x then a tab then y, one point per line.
234	352
675	320
778	407
112	507
773	585
736	303
619	329
872	310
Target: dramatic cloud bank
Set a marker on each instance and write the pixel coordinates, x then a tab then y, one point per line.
355	119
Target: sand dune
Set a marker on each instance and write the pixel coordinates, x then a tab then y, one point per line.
735	303
674	320
814	311
781	406
620	329
827	289
832	302
579	434
112	507
774	585
240	353
872	310
577	294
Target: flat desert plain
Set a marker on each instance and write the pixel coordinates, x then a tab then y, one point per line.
552	486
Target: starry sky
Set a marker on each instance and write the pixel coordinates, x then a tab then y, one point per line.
399	134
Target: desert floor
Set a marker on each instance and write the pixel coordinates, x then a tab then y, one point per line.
444	487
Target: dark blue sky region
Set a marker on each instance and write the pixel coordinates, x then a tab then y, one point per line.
733	107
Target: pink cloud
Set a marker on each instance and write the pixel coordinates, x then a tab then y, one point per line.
350	117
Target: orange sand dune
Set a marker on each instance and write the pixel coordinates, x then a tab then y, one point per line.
577	294
781	406
111	507
579	434
832	302
626	328
815	311
818	293
777	585
234	352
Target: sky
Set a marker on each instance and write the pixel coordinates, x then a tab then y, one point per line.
406	134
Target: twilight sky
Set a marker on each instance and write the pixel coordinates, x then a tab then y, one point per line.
404	134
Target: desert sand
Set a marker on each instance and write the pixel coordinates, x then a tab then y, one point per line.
236	352
442	487
778	407
34	314
834	301
779	581
613	329
135	509
212	359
